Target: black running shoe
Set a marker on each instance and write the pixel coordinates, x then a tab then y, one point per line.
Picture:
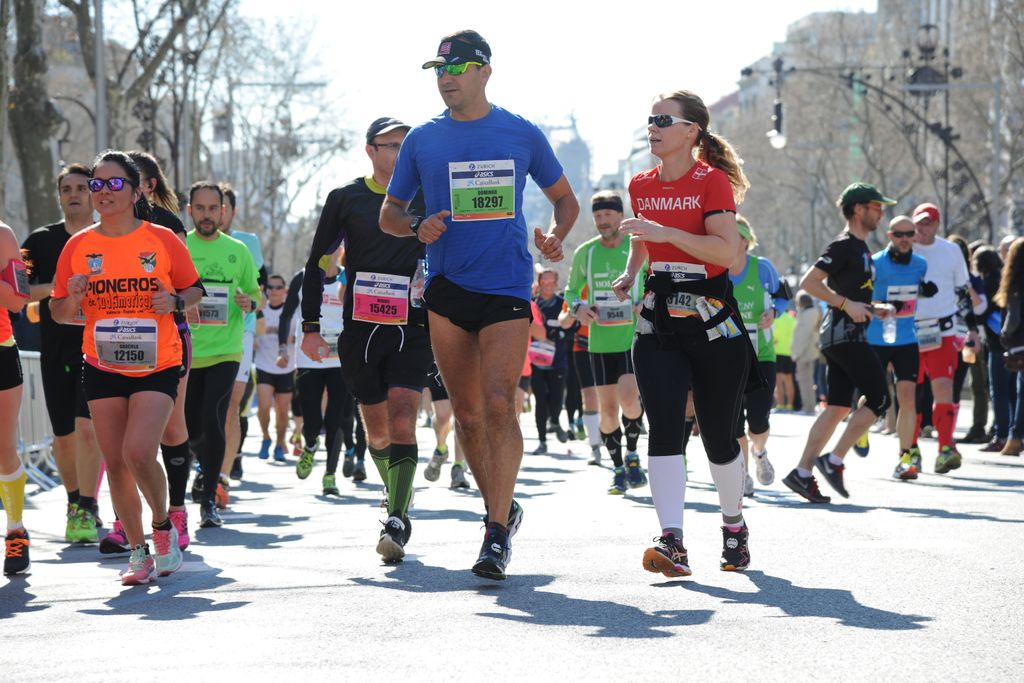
806	487
493	555
209	518
349	463
359	471
16	552
541	449
408	530
236	468
560	433
197	488
833	474
735	554
391	545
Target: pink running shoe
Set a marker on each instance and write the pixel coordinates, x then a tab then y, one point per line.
179	518
115	541
140	567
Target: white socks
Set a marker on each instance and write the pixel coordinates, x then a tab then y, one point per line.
592	424
729	479
667	477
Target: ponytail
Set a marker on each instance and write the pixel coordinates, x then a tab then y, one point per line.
717	152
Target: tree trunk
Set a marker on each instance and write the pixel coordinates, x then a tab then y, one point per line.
5	18
34	118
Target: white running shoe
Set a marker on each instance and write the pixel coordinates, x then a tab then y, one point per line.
765	471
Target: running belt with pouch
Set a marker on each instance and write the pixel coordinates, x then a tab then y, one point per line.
719	287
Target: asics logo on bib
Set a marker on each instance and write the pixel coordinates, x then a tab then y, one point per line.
124	285
667	203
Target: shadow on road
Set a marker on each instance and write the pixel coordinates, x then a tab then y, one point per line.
14	597
161	600
547	608
230	536
797	601
795	502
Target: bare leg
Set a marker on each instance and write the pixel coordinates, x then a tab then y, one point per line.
821	431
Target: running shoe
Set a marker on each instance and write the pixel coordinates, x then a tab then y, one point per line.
197	487
265	449
915	458
115	541
735	554
279	455
330	484
635	475
391	545
833	474
140	567
748	485
407	534
494	555
70	529
305	464
581	432
168	554
595	456
16	545
619	484
96	516
85	527
515	520
948	459
236	469
763	468
222	497
459	477
1012	447
359	471
806	487
179	519
862	447
905	469
209	518
349	463
560	433
667	556
541	449
433	469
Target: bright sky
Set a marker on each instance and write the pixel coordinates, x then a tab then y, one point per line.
602	61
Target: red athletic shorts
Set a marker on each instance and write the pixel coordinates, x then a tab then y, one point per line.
940	362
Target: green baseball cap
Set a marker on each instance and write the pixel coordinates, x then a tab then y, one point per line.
863	193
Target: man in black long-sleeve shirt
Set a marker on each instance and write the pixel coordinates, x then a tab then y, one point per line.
384	349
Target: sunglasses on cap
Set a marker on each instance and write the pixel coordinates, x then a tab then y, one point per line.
453	69
115	184
903	233
666	120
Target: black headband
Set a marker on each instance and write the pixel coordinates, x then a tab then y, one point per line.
614	204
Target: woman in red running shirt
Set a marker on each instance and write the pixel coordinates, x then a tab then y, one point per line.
690	334
129	277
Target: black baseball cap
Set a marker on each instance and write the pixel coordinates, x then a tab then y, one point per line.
467	46
384	124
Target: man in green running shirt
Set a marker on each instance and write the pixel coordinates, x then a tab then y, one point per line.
226	268
595	264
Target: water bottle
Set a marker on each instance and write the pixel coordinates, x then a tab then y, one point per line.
417	284
889	326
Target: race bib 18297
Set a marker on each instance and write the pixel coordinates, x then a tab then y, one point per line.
482	190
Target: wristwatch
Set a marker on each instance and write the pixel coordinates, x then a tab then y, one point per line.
415	224
310	326
179	304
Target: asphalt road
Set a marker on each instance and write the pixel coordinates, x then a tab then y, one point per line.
916	581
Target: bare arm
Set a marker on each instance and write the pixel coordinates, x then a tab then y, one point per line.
623	285
9	251
813	282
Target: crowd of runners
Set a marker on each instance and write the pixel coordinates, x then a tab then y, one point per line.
419	288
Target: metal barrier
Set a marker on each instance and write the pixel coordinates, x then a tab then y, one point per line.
35	437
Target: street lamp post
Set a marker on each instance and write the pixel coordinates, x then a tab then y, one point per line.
923	81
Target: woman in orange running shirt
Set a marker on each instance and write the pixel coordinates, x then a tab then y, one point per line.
129	277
